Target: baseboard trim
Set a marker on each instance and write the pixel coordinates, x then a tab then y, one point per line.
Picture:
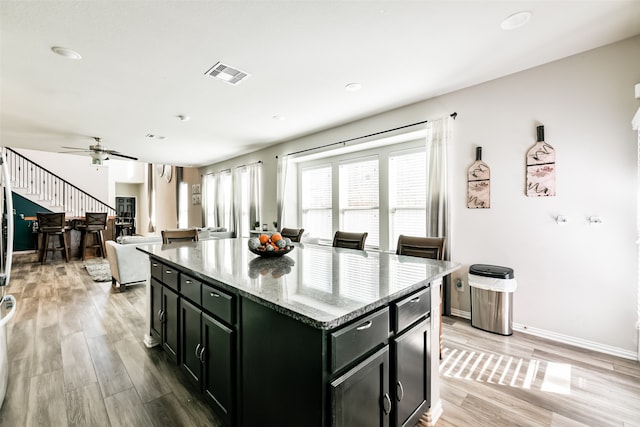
578	342
459	313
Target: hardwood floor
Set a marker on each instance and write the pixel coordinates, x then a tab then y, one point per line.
76	358
520	380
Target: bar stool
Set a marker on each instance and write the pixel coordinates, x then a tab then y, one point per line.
94	224
52	224
344	239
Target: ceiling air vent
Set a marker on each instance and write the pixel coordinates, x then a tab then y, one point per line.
227	74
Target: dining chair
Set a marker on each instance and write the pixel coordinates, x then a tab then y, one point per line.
93	225
294	234
424	247
344	239
52	224
181	235
125	224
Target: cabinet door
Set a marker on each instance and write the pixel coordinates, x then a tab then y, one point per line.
360	398
410	353
219	368
190	342
155	289
171	308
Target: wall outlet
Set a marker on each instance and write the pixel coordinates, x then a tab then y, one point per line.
459	285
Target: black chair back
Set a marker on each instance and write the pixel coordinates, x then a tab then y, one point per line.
343	239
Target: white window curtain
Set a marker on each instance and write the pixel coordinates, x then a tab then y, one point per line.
437	142
208	199
283	166
223	210
247	189
217	200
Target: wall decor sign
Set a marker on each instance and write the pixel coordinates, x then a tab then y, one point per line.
541	168
479	183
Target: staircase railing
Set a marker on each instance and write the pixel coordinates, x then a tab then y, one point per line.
46	186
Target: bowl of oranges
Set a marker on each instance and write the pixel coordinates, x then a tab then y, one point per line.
270	246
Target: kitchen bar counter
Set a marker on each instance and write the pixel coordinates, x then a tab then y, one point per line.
320	337
321	286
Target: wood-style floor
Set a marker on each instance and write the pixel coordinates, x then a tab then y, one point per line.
76	358
520	380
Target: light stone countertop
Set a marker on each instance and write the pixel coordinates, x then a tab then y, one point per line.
321	286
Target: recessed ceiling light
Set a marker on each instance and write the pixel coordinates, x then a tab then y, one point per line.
67	53
353	87
516	20
277	117
183	118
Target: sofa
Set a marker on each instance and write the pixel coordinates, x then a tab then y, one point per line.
129	265
208	233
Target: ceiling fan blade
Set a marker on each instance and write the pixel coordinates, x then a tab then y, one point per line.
113	153
75	148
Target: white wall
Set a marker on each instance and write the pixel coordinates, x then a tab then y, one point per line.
577	282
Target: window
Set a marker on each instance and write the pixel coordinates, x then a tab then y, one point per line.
359	207
248	188
217	198
407	194
380	191
316	202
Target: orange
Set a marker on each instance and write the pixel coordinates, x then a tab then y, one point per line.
275	237
264	238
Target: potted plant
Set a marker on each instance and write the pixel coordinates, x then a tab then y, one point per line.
256	225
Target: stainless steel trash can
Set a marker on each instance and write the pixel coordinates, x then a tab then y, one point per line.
492	290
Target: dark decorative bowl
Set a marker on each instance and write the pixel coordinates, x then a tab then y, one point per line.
272	254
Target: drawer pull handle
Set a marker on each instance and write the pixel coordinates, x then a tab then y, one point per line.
399	391
168	271
213	294
154	264
365	325
386	404
416	299
160	314
201	356
188	282
198	351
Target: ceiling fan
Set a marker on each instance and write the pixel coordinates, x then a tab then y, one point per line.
99	153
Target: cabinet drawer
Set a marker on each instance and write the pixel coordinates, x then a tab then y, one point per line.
411	308
353	341
218	303
156	270
170	277
190	288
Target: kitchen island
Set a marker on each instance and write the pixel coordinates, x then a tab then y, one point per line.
319	337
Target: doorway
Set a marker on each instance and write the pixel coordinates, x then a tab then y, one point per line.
126	211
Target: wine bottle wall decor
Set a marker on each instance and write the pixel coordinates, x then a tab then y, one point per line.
479	183
541	168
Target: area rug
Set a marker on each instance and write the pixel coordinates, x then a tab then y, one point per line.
98	269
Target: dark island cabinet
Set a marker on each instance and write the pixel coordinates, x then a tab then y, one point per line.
259	365
411	352
361	396
207	346
164	317
194	322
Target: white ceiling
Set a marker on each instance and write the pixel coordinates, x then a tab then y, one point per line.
144	62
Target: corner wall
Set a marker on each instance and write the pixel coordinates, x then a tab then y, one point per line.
577	282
